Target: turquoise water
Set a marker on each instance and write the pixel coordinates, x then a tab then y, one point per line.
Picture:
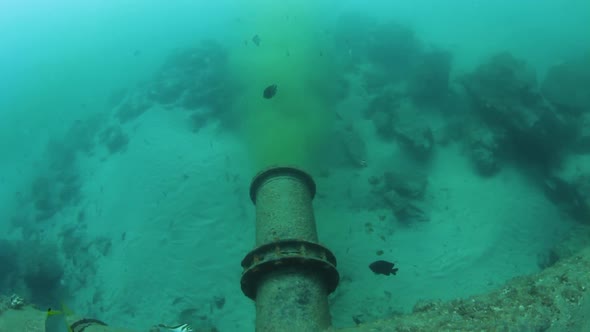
447	137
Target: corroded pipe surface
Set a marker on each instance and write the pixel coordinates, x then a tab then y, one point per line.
283	197
291	295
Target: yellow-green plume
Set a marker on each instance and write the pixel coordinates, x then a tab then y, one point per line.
287	128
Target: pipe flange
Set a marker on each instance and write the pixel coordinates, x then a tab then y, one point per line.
291	253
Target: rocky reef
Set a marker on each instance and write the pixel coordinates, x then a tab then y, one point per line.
556	299
194	79
505	94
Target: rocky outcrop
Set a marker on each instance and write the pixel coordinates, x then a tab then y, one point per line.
567	85
506	97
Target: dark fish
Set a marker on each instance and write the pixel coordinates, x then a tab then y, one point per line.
256	40
383	267
270	91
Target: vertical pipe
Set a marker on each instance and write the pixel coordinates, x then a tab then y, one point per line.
289	298
283	205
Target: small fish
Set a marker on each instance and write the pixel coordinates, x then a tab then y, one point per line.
256	40
177	328
63	314
383	267
270	91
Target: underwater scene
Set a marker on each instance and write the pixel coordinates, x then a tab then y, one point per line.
294	165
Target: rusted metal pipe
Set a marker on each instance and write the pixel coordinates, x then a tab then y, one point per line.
288	274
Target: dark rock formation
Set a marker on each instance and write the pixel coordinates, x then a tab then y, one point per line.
193	78
348	149
132	106
429	81
505	95
502	84
406	210
567	85
8	264
571	195
381	109
114	139
413	133
42	273
383	123
411	186
416	138
403	193
582	143
394	48
484	151
355	148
